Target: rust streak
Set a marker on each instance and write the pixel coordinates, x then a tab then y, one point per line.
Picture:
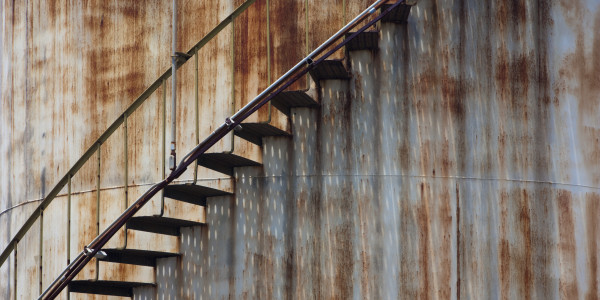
458	245
566	247
526	261
592	232
504	247
424	222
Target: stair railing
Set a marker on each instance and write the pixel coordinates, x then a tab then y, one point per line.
96	146
295	73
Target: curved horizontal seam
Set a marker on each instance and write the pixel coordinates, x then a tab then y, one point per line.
336	175
434	177
104	189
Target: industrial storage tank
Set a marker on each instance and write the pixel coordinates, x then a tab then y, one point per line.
457	157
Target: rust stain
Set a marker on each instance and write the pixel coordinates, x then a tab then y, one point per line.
365	265
288	38
577	75
515	257
322	23
343	246
511	14
365	259
458	243
566	246
572	11
504	247
424	223
447	161
525	261
444	240
250	55
593	249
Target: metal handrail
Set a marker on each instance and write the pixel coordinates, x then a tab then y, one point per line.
111	129
297	72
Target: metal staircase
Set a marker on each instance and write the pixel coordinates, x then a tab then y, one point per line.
225	163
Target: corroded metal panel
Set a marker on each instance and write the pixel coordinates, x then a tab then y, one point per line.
251	57
288	25
323	23
460	160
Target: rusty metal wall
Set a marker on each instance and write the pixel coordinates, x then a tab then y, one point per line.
462	159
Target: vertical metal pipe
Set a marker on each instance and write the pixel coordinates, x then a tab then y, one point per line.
125	175
306	37
343	12
268	41
125	150
172	158
197	112
69	220
15	266
69	226
164	127
99	151
269	45
164	143
41	250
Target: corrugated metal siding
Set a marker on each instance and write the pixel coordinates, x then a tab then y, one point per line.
461	160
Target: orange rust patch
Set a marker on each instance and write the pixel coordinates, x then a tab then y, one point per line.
444	275
424	223
592	233
525	261
566	246
504	247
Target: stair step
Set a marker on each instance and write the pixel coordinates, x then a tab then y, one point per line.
224	162
329	69
397	15
285	101
135	256
102	287
366	40
192	193
161	225
254	132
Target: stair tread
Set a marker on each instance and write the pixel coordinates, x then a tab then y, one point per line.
136	256
254	132
289	99
192	193
224	162
161	225
105	287
366	40
329	69
397	15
